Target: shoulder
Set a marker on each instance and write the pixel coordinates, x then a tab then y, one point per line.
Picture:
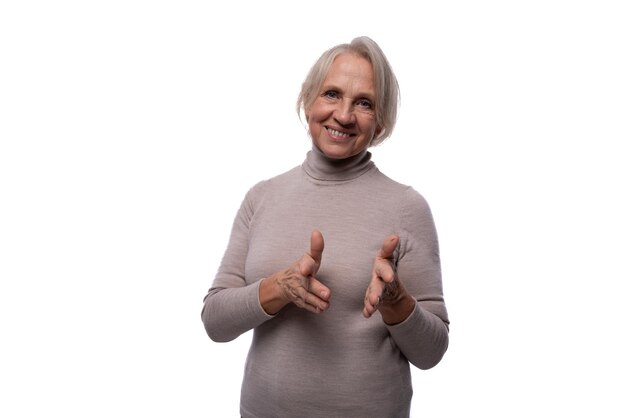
412	209
414	201
261	189
407	196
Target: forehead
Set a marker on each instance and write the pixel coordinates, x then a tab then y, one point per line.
351	68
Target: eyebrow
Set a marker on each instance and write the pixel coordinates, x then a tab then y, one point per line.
362	95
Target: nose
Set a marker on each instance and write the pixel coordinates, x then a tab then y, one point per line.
344	113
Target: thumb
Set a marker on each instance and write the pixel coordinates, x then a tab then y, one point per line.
389	246
317	246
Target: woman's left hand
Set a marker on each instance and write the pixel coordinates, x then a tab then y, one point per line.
386	292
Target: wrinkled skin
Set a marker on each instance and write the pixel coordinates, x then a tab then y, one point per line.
385	289
297	284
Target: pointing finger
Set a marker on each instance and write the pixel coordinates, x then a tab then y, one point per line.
384	271
389	246
318	289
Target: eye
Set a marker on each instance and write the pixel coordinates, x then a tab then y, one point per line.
364	103
331	94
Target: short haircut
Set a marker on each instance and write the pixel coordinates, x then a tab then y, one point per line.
385	82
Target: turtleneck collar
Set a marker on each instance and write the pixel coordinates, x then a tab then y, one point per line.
321	168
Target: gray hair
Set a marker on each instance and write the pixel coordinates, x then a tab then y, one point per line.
386	84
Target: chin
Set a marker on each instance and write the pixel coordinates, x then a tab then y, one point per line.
336	152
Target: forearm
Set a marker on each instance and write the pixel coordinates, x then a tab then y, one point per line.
422	337
229	312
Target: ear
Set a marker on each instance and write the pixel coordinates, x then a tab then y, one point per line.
378	130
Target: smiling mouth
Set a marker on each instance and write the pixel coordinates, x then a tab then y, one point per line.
338	134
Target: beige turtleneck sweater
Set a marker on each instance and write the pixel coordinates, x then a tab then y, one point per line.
337	363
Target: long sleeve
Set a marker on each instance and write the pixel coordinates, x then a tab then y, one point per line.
423	336
232	305
328	364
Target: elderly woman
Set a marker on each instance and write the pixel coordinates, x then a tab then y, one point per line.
332	264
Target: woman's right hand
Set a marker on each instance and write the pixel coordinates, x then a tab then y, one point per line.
297	284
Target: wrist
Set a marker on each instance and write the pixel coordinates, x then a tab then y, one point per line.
398	310
271	296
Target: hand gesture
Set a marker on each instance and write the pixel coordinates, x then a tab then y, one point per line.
385	291
297	284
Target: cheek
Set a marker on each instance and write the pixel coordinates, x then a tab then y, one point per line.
314	129
368	123
318	111
311	113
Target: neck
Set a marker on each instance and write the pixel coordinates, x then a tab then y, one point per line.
322	168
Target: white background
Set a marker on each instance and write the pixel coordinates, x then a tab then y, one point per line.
130	131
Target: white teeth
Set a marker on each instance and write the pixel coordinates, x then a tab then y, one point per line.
337	133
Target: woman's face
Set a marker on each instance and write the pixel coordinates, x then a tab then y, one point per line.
342	120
